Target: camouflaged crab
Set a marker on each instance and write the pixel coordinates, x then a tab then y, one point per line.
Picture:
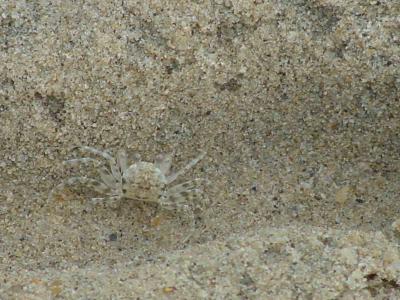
141	181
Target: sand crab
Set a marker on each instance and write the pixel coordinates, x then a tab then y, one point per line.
141	181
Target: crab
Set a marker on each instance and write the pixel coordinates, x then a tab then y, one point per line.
139	181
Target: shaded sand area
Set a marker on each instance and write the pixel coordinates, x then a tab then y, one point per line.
295	102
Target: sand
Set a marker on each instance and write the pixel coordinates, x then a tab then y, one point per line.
295	102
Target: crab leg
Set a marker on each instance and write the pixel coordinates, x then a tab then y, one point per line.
163	162
92	150
175	175
115	168
122	161
83	160
185	186
93	183
179	199
108	179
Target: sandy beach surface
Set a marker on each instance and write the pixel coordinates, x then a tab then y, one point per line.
296	104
